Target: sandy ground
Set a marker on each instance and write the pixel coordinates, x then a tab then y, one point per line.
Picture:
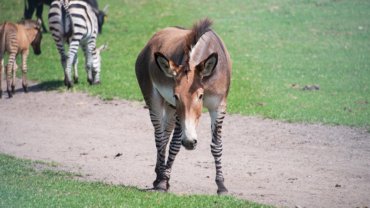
272	162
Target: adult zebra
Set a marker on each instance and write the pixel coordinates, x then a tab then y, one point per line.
31	5
76	23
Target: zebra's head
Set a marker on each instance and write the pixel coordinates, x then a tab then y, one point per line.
95	79
102	15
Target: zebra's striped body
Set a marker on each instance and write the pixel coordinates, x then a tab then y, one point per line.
180	71
75	23
16	39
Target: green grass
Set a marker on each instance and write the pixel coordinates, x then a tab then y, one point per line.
273	44
24	185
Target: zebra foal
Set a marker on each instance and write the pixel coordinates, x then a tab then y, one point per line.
76	23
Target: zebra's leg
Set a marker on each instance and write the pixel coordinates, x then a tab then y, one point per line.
24	70
168	124
75	63
56	26
73	48
88	49
97	63
93	63
217	118
63	56
9	69
96	67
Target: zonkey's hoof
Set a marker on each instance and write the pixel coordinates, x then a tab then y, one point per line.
162	186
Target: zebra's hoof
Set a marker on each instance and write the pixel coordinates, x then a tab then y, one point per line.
13	89
75	80
68	82
69	85
1	93
90	81
96	82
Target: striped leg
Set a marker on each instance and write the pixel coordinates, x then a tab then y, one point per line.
73	48
56	26
88	49
9	70
75	63
163	123
24	70
175	146
61	50
217	118
15	67
63	56
96	67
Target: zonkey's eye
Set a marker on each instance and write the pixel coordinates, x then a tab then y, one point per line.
200	96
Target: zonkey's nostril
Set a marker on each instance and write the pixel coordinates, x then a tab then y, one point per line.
195	141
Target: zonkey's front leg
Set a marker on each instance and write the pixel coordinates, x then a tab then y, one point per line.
217	118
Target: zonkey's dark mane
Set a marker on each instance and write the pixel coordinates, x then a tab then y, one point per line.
199	28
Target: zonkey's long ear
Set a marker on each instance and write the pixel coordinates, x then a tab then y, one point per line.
207	66
167	66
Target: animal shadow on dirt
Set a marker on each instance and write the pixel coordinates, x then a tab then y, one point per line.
44	86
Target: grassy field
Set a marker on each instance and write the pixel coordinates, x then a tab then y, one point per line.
278	47
36	184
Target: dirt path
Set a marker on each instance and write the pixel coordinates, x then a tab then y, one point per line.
266	161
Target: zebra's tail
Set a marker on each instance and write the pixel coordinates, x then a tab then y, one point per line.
66	18
65	4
